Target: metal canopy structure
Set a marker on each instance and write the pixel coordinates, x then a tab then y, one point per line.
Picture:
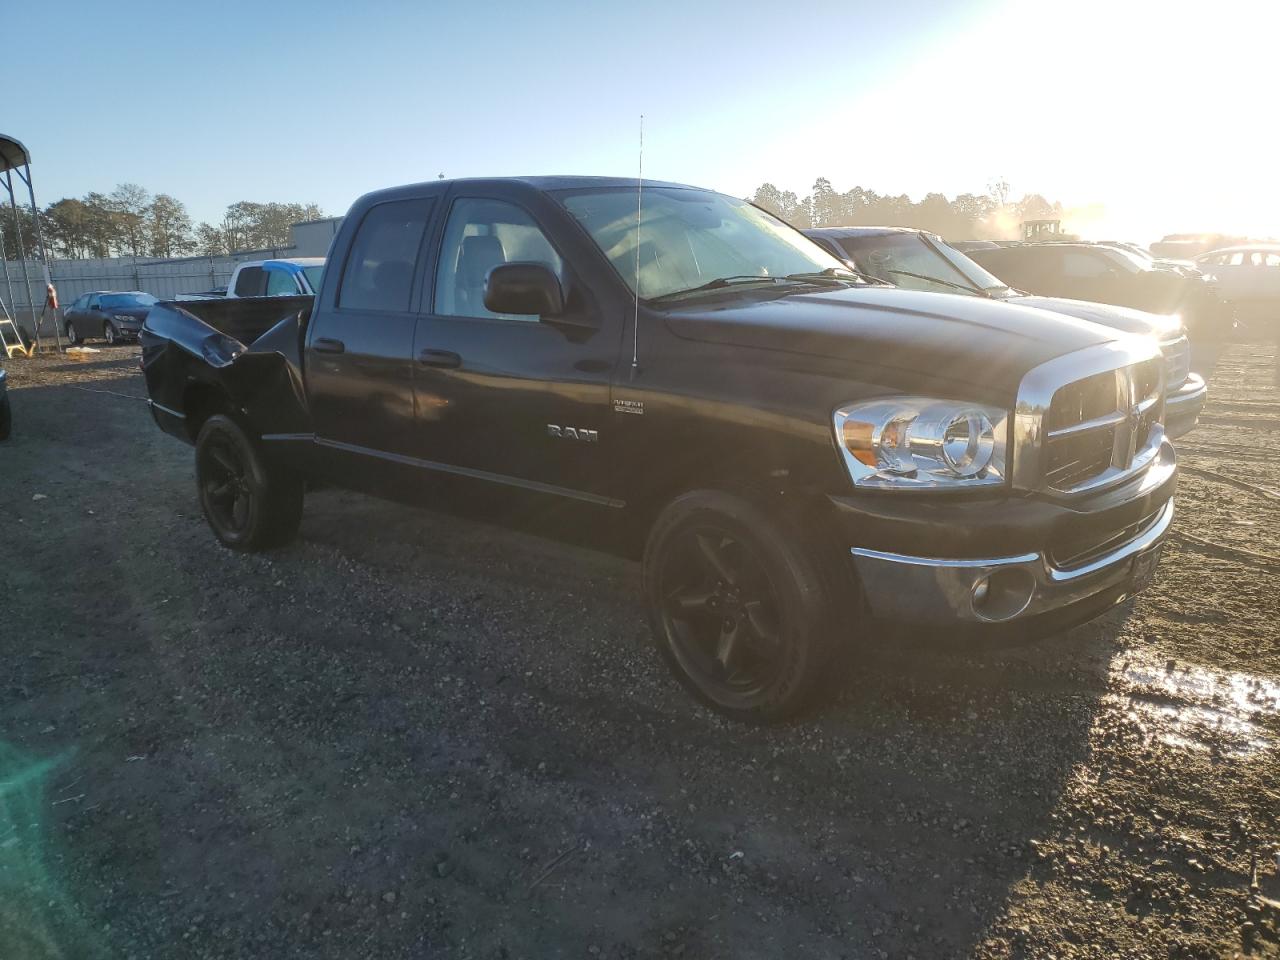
15	158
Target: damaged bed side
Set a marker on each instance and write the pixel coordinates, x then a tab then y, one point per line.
242	357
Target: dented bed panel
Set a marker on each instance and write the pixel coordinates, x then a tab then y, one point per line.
245	354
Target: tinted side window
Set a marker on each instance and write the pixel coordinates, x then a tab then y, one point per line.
480	235
249	282
1076	263
379	270
280	283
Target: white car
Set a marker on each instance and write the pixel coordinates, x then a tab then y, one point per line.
1248	276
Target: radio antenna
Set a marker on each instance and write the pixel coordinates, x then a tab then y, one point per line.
635	319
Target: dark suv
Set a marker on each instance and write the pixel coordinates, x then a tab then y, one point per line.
1106	274
115	315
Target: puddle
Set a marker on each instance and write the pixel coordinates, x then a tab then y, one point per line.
1198	709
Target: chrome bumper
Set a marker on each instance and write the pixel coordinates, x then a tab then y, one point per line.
1182	407
927	590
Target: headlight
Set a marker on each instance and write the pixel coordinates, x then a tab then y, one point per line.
915	442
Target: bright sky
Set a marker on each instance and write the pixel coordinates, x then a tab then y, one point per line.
1164	113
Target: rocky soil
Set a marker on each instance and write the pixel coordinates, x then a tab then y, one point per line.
408	735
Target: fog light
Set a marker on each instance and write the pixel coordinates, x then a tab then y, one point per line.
1003	594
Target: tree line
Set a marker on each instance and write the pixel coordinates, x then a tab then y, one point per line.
131	222
991	215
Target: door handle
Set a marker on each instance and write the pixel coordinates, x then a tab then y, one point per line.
439	358
329	345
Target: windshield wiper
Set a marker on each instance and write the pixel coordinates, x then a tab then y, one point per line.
840	275
938	280
719	282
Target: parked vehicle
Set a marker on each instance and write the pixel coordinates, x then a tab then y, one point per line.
918	260
799	456
6	411
113	315
1248	276
1185	267
1102	274
276	278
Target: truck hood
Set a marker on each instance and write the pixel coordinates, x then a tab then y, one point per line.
960	338
1125	319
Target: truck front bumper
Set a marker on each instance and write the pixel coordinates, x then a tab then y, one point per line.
1014	559
1182	407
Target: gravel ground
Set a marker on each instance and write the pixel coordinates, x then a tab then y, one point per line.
407	735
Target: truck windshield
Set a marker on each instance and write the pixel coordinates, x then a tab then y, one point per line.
688	238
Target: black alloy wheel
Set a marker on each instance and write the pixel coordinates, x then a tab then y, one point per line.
249	503
72	337
739	606
225	487
720	612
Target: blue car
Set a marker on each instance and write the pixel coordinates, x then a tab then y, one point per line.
113	315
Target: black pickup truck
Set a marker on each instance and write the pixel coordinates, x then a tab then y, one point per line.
803	457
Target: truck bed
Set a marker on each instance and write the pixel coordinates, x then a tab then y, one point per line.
242	319
246	351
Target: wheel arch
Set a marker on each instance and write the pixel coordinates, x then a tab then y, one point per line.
200	401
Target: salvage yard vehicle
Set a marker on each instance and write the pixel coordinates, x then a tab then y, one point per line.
6	411
798	455
917	260
1248	276
115	315
1106	274
299	276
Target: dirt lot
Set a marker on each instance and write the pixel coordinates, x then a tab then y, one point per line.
411	736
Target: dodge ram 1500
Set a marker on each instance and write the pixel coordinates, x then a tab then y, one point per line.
798	455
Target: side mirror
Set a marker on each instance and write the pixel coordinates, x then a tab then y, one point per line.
523	288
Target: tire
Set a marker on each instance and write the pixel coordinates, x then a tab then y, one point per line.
6	417
739	609
72	336
109	334
249	504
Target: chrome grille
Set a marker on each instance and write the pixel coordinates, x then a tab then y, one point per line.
1177	361
1099	427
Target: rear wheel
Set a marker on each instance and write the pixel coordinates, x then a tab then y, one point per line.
109	333
738	607
249	504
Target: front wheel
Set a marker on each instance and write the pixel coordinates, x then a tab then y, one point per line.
249	504
738	607
109	334
73	337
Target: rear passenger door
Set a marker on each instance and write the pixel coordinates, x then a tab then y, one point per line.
359	357
510	399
